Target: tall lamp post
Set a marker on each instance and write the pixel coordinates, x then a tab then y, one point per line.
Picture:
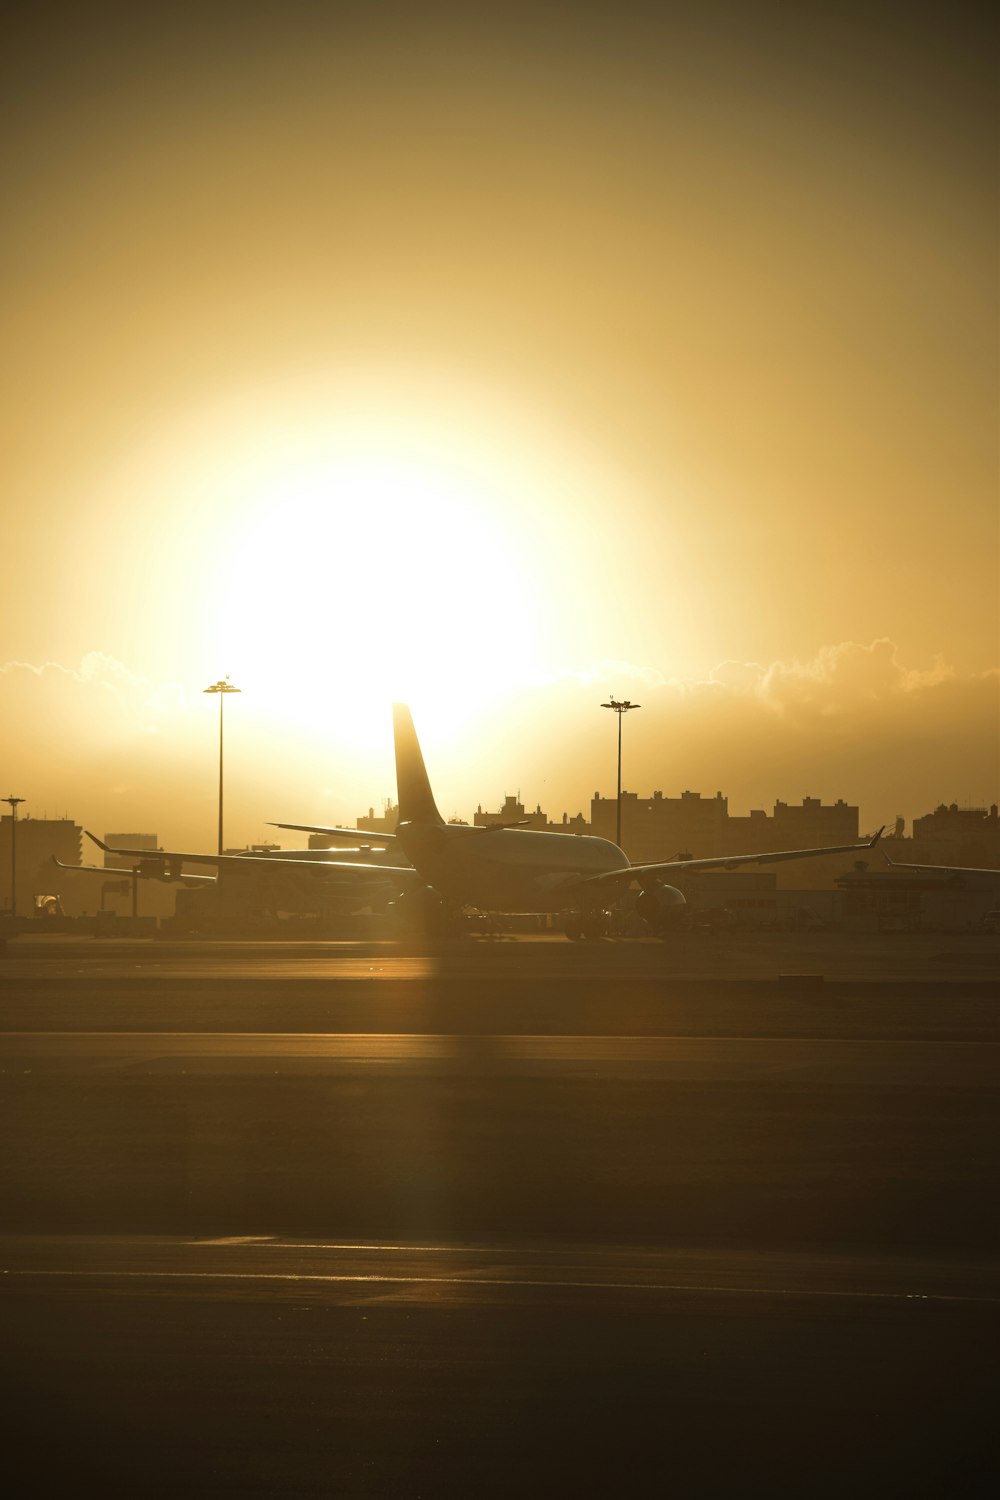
13	801
621	709
222	688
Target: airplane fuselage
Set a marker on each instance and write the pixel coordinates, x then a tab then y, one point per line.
506	869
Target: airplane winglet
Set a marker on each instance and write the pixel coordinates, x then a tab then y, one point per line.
359	835
99	842
875	837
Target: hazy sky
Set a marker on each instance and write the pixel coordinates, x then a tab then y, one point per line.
498	357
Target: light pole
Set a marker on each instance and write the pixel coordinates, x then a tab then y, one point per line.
621	709
13	801
222	688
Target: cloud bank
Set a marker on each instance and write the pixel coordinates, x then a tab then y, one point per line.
118	751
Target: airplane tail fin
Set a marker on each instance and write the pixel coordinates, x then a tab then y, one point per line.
413	789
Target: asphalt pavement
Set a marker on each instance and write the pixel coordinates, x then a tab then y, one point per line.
519	1217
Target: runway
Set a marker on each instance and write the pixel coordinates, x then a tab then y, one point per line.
510	1220
735	1059
275	1367
471	1271
855	958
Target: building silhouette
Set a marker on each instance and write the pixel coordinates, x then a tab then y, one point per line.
698	827
386	823
38	840
367	826
512	811
659	827
956	835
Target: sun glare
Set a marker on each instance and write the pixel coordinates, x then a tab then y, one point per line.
364	536
379	572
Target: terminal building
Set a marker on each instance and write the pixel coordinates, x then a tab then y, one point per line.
36	841
883	900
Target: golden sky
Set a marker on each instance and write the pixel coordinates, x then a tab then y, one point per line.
499	357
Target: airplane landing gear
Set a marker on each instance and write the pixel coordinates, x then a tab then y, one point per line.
588	926
421	914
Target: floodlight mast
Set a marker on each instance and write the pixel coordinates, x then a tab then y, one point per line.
13	803
621	707
222	688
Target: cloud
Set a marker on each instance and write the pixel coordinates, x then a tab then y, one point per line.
858	721
90	737
838	679
845	678
99	701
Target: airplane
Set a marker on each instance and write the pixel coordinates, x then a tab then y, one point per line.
512	869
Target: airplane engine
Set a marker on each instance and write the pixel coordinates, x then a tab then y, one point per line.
663	907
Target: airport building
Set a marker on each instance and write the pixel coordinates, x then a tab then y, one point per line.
907	901
37	841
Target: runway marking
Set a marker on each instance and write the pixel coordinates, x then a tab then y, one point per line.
508	1282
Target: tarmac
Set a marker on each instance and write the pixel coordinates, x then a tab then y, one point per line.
520	1215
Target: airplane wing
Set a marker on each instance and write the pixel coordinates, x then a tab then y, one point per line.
896	864
177	858
355	835
110	873
720	862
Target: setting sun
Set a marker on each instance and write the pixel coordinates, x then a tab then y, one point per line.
388	572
